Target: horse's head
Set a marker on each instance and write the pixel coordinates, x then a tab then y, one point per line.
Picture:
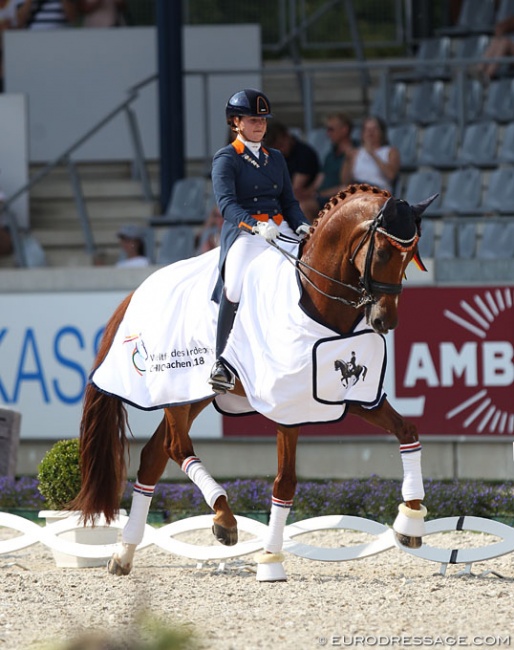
385	247
366	239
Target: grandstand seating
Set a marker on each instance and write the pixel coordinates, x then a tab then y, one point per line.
455	135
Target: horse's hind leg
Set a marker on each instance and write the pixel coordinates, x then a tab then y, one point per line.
269	563
180	448
151	467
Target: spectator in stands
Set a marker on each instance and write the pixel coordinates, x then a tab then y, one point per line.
302	164
103	13
132	244
500	45
339	129
375	162
7	21
46	14
210	234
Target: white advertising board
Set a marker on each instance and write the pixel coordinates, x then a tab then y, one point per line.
48	343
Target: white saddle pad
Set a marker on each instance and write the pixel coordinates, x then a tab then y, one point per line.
294	370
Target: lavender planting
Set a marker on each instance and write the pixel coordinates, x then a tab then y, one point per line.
374	498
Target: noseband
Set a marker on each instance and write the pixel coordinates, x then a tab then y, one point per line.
368	288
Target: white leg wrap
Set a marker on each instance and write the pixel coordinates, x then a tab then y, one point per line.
275	536
412	487
141	500
211	490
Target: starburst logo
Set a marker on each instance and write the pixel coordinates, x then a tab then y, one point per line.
480	409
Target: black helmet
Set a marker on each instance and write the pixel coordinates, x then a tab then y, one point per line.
247	103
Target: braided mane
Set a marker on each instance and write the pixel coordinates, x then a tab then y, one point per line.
350	190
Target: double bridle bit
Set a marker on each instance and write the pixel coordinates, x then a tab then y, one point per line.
367	286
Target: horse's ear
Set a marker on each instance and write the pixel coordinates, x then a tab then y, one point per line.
419	208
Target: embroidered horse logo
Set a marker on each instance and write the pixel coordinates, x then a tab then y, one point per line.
350	369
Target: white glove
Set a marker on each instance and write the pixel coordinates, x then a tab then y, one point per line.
266	229
304	229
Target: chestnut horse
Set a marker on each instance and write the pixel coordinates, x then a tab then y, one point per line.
351	265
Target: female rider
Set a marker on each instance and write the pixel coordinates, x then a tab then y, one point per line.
253	191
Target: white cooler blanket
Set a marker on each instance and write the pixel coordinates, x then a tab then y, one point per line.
163	351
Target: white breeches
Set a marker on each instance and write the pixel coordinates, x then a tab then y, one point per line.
243	251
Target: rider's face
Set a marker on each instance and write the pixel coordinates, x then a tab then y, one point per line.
252	129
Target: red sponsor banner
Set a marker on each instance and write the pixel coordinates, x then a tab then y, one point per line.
450	367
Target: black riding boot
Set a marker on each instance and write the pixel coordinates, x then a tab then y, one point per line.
222	379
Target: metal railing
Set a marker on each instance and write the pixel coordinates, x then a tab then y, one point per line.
306	76
64	158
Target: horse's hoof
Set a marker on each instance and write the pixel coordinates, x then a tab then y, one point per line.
116	569
409	541
226	536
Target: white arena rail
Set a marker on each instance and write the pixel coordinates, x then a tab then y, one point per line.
164	538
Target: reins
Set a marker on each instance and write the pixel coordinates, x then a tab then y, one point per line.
368	287
298	263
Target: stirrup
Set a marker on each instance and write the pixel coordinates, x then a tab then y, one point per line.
222	378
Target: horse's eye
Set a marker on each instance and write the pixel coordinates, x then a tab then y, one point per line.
383	255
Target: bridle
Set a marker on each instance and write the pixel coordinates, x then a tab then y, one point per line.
368	288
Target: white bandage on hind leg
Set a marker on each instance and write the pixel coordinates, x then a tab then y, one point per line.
275	535
211	490
412	487
141	500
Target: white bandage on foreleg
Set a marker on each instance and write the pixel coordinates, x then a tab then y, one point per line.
277	522
141	500
412	487
211	490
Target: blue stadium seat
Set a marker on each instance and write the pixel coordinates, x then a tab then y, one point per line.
497	241
427	103
422	184
429	50
480	144
439	146
499	100
499	195
405	138
463	192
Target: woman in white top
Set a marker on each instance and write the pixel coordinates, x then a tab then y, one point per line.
375	162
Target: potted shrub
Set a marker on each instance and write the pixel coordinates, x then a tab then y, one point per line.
59	482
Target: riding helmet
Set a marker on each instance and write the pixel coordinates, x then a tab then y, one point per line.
248	103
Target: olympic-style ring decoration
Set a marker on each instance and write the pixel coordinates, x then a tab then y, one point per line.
164	538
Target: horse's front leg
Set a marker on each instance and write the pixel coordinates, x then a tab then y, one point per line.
409	525
269	563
